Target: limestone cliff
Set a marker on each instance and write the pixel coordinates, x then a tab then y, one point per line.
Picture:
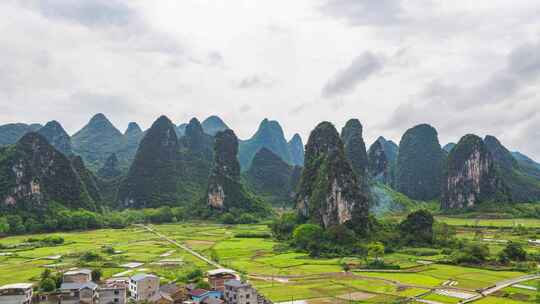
355	150
225	189
33	173
471	176
328	192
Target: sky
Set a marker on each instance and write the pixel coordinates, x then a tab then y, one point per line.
463	66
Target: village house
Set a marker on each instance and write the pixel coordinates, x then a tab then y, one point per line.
178	294
143	286
218	277
237	292
113	293
20	293
84	293
77	276
199	295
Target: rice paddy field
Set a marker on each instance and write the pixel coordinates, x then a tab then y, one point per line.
281	275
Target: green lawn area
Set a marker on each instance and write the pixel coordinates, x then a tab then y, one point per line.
526	222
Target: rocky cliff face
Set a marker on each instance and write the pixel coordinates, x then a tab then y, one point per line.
420	163
225	191
55	134
269	135
355	150
34	173
151	180
328	192
213	124
472	176
272	178
296	149
378	166
88	178
382	156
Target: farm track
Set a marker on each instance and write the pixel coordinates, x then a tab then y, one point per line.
183	247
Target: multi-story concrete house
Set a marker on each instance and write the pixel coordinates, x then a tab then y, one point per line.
143	286
20	293
237	292
113	293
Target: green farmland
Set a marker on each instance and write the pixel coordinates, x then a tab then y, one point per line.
281	275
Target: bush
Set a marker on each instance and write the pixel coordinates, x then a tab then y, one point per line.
90	256
47	285
307	235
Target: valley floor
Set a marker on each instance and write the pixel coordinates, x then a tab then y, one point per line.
281	276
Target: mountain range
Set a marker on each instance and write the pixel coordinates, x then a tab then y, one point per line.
204	167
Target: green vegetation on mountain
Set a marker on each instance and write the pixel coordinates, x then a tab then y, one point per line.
11	133
448	147
33	174
226	192
328	193
419	171
355	150
296	149
522	186
387	201
269	135
97	140
88	178
194	162
213	124
528	165
272	178
55	134
111	168
151	179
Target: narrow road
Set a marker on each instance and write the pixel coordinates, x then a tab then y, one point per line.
501	285
181	246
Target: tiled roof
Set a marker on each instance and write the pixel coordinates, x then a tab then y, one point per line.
141	276
78	286
198	292
79	271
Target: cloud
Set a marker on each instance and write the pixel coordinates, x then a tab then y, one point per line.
361	68
245	108
504	103
365	12
521	69
255	82
89	13
216	59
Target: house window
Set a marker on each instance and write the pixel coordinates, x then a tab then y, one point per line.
247	296
116	301
116	292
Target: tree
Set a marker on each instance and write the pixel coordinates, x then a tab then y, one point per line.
96	275
45	274
47	285
376	250
473	254
513	252
305	234
4	225
283	226
417	228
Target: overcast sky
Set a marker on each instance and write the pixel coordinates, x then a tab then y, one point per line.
463	66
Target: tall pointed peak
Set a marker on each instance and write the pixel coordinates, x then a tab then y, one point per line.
133	129
194	127
162	120
214	124
99	117
296	138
